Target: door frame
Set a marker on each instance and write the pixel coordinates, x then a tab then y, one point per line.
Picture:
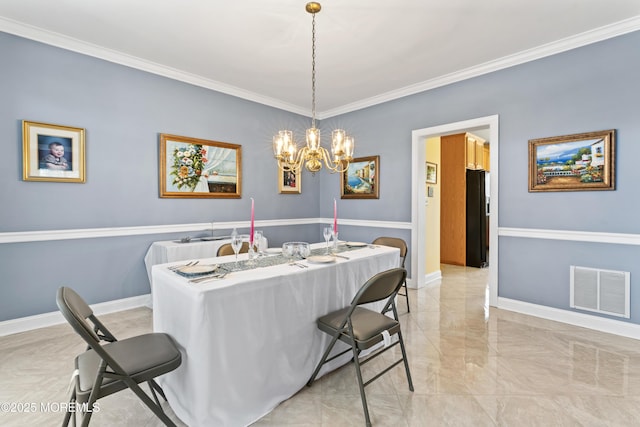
418	197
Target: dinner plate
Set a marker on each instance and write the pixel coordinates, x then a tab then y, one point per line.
356	244
197	269
274	250
321	259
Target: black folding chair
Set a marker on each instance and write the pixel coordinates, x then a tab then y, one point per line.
363	328
109	365
396	242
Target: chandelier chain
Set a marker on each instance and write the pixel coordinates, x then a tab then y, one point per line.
313	71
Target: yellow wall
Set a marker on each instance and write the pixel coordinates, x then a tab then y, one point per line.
432	228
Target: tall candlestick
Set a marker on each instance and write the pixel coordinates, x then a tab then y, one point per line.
251	232
335	216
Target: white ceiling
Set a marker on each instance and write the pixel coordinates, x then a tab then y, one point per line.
368	51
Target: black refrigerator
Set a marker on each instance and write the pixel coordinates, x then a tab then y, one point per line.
476	219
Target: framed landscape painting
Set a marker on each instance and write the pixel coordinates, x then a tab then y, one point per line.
198	168
579	162
360	180
52	153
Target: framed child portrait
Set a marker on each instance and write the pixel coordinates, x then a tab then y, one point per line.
52	152
289	182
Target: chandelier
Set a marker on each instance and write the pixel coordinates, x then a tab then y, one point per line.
312	155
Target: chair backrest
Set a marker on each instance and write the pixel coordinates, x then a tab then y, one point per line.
394	242
79	315
227	249
381	286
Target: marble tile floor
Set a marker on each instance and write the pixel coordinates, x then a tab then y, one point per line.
471	366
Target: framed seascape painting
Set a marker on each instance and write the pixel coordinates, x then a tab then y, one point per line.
360	180
197	168
579	162
289	182
52	152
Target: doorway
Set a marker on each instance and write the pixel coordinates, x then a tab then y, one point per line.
418	198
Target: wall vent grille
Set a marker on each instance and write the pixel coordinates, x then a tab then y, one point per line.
601	291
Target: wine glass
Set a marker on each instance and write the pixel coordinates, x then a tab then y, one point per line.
326	233
258	241
289	251
236	244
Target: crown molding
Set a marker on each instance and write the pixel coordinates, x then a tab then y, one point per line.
589	37
89	49
56	39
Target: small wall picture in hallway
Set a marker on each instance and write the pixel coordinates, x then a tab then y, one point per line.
584	161
360	180
431	172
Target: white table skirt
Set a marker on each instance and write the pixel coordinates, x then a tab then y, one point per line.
250	341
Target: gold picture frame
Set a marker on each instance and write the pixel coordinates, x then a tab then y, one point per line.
431	173
578	162
361	179
52	152
199	168
289	182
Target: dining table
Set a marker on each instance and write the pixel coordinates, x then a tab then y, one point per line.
165	251
248	336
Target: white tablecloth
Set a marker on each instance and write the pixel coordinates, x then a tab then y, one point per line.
172	250
250	341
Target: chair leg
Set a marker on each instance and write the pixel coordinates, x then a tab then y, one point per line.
150	404
323	359
406	294
363	397
69	414
406	361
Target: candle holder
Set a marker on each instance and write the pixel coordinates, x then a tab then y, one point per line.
334	236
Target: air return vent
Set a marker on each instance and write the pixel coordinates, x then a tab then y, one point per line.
602	291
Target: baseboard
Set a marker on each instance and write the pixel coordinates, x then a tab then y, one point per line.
38	321
602	324
432	277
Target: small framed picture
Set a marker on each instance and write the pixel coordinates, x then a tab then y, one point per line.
52	152
360	180
431	173
289	182
578	162
198	168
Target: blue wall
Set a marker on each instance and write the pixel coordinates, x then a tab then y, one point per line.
586	89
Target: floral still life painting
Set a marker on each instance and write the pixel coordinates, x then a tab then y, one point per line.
191	167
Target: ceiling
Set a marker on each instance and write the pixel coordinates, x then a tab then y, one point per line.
368	51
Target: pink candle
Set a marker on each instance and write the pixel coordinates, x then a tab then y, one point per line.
335	216
251	232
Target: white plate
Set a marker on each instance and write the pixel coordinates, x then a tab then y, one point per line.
274	250
356	244
321	259
198	269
